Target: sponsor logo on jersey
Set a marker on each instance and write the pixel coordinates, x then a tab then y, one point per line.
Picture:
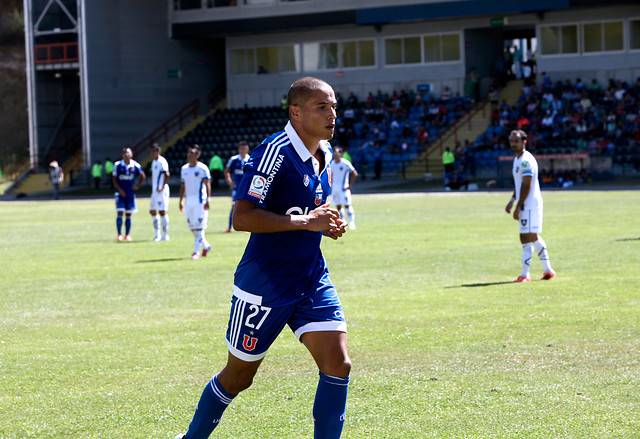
257	186
305	180
272	175
318	199
249	343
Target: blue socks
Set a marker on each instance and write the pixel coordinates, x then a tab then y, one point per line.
329	407
231	217
119	224
127	225
213	402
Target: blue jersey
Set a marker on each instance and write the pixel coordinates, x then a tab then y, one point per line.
236	166
126	175
280	268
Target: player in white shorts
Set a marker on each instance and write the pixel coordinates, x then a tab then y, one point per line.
528	209
196	190
159	203
343	175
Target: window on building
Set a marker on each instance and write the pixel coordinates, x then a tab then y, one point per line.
451	47
634	34
602	37
273	59
425	49
559	39
320	56
242	61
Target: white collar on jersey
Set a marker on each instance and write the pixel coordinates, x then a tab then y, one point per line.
304	153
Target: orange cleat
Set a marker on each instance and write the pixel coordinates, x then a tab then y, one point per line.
227	231
128	238
522	279
548	275
195	256
119	238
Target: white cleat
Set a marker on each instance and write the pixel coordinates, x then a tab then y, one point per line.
352	226
164	238
157	238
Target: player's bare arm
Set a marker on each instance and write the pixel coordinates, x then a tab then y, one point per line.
524	191
352	179
166	178
140	181
227	176
181	201
510	203
117	186
207	185
248	217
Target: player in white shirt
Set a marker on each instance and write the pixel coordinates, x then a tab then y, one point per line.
343	175
159	194
196	190
528	209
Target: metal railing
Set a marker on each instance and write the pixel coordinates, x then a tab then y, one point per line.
56	53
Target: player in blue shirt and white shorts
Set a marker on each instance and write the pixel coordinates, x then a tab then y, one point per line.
124	175
283	278
233	173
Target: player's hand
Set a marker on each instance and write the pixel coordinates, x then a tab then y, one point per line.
160	189
206	205
509	206
136	187
516	214
181	207
121	192
338	231
323	219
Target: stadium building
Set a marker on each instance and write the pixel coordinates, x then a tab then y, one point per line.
107	74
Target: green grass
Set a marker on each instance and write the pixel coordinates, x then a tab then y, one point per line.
100	339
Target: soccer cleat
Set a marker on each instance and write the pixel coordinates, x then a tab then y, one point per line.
205	251
194	256
227	231
164	238
128	238
119	238
157	238
181	436
548	275
352	226
522	279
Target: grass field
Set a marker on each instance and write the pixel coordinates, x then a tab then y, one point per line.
100	339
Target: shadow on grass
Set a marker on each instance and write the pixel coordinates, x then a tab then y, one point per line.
627	239
146	261
482	284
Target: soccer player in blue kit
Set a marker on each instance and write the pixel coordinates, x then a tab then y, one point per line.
124	176
283	278
233	173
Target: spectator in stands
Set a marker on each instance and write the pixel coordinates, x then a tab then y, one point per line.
378	157
96	173
56	177
262	70
216	167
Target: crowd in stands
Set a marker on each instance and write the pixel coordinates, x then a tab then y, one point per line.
568	117
386	130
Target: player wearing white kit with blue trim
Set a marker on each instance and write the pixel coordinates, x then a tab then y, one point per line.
283	278
528	209
195	188
343	175
159	203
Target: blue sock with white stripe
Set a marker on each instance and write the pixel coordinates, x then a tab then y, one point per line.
329	407
231	218
212	404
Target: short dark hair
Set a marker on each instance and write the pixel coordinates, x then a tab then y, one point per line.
196	147
156	147
520	134
301	89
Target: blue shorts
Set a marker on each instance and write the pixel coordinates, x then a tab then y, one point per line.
126	204
253	328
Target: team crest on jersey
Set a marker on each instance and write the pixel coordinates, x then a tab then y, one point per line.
257	186
525	164
523	222
305	180
249	343
196	173
318	199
